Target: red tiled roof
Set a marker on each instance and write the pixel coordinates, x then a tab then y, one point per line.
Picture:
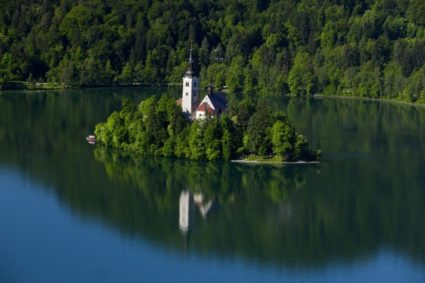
204	107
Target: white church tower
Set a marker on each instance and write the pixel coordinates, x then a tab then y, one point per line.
190	95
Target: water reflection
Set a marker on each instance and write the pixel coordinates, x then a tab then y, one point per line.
254	205
187	202
203	205
367	195
184	212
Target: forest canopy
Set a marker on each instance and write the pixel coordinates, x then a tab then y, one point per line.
301	47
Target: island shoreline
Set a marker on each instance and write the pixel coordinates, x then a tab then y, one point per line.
389	101
258	162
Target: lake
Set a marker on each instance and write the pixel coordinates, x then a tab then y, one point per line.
72	212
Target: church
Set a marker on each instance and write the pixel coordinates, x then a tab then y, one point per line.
213	104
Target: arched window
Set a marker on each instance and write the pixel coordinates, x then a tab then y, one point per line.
187	83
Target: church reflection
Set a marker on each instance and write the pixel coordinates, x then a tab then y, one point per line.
187	203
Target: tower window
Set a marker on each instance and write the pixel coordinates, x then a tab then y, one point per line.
187	83
187	93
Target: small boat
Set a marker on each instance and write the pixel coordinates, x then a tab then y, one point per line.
91	139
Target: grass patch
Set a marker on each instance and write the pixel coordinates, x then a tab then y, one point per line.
265	159
20	85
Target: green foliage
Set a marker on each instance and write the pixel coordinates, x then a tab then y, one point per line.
283	140
274	48
301	78
415	87
257	138
235	75
159	128
196	141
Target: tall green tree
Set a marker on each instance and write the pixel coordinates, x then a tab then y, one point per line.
302	80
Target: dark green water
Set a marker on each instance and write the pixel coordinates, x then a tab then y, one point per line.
71	212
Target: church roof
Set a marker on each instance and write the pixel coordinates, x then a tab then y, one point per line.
189	71
218	100
204	107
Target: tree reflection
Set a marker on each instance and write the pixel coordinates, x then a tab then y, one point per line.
367	196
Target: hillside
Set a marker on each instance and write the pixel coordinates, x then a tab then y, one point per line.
343	47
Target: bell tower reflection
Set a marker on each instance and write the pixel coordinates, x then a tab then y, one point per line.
187	202
184	214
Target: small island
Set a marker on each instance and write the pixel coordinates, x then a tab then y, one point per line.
212	129
158	127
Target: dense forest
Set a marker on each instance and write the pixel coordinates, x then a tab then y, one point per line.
158	127
333	47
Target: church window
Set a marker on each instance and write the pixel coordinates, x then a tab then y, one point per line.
187	93
187	83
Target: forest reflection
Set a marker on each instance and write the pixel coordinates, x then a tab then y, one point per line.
290	214
365	196
207	197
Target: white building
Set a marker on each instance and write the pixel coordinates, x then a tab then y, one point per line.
211	105
190	93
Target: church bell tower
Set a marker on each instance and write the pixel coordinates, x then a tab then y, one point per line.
190	95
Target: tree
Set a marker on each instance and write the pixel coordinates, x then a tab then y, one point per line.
415	86
75	23
393	80
9	67
196	142
301	150
302	80
257	139
235	75
212	135
126	75
283	140
416	12
108	74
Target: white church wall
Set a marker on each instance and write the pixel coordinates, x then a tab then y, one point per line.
190	94
187	103
200	115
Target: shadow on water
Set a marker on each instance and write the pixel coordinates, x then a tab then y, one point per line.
366	195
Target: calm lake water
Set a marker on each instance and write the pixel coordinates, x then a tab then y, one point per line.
71	212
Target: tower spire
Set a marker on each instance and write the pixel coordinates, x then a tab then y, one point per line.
189	71
190	56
